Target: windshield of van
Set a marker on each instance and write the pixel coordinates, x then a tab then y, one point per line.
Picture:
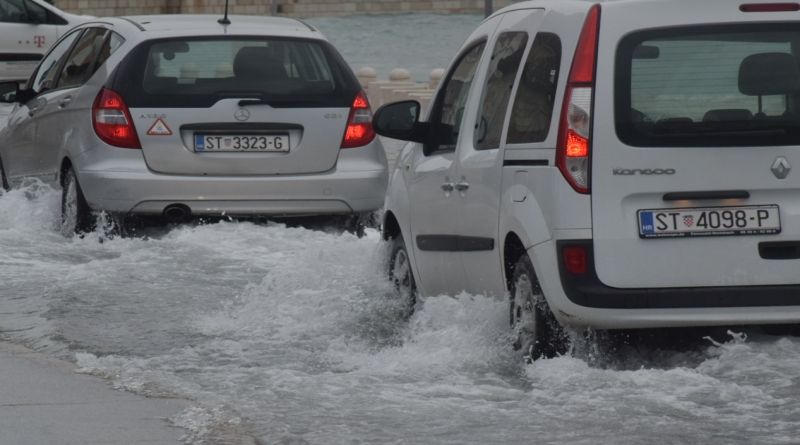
200	71
732	85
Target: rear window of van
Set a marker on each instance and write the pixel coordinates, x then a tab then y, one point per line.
732	85
197	72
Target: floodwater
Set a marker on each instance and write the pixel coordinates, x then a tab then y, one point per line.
291	336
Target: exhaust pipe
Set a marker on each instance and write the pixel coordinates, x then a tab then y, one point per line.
177	212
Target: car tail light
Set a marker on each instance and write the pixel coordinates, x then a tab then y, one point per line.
769	7
359	125
574	137
112	121
575	260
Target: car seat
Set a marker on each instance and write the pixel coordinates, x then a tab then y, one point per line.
768	74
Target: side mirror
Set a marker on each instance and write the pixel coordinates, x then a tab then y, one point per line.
8	92
400	120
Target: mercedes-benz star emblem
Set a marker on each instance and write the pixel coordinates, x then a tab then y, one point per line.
241	114
781	168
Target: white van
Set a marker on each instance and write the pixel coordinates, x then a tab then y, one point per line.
614	165
28	28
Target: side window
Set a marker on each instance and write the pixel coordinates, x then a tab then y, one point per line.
76	70
505	62
36	14
112	43
533	106
454	94
46	74
13	11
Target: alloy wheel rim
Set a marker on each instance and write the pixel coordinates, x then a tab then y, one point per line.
524	313
69	221
401	274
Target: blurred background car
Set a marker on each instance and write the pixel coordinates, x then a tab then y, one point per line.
28	29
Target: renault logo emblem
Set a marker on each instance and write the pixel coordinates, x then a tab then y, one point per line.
241	114
781	168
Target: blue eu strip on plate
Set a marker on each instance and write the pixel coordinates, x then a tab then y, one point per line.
646	220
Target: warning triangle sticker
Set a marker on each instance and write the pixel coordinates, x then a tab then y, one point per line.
159	129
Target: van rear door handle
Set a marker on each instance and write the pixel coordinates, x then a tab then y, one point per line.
461	186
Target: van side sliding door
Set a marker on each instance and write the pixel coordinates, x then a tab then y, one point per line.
479	157
432	195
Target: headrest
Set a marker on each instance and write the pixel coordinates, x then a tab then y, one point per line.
733	114
768	74
257	62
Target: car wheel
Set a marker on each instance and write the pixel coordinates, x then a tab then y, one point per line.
401	275
76	216
538	332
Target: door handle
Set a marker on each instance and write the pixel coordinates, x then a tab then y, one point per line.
461	186
447	186
32	111
64	102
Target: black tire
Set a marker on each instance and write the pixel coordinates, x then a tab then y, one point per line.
76	215
3	178
539	335
357	224
401	275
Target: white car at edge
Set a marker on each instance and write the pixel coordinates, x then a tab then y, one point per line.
28	28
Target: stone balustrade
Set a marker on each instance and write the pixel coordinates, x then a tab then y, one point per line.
286	8
399	87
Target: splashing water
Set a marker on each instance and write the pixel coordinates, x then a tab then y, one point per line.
292	336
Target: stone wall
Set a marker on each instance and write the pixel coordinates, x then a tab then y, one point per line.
289	8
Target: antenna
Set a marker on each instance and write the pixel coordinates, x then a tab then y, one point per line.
225	20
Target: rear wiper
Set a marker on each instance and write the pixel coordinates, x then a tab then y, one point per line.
245	102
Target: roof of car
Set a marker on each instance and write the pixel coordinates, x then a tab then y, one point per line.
193	21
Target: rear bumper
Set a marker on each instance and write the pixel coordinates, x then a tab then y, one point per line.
124	184
584	301
587	290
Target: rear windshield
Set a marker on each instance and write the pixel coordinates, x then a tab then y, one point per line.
711	86
198	72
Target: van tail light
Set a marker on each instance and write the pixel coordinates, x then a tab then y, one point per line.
112	121
359	124
574	147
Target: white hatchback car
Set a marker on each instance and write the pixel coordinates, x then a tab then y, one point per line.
612	165
28	28
188	115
